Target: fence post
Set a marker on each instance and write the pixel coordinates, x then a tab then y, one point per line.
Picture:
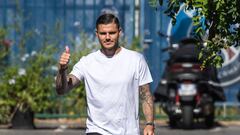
224	110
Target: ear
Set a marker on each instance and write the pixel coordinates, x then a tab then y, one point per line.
96	32
120	31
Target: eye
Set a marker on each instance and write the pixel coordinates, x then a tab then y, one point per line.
102	33
112	33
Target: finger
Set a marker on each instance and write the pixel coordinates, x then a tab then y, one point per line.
67	50
65	56
148	133
64	61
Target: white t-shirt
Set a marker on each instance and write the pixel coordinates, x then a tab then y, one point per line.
112	89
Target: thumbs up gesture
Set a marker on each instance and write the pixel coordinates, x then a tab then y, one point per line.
64	59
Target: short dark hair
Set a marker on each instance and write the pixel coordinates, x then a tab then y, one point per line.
107	18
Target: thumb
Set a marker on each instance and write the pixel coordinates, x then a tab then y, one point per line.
67	49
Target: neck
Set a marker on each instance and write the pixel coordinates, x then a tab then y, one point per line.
111	52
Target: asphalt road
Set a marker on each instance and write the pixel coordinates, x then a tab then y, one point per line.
162	129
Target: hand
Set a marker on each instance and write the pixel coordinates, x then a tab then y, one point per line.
148	130
64	59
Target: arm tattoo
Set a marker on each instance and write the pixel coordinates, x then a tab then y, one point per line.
147	102
65	82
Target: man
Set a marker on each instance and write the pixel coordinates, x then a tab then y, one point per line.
114	78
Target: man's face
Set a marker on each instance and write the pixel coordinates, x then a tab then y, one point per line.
108	35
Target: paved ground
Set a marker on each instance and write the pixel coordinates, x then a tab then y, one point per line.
73	128
42	132
160	130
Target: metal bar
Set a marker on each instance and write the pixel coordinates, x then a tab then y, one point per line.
54	116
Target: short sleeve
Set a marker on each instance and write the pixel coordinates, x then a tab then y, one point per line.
78	69
144	72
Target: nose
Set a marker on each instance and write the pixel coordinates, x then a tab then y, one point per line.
107	36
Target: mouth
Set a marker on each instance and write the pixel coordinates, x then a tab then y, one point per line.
108	43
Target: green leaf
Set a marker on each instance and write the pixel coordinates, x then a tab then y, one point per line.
200	55
218	5
200	5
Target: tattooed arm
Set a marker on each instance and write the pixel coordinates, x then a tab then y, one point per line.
64	82
147	105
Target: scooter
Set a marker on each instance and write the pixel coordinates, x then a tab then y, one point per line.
186	92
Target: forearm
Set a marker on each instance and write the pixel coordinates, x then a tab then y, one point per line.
62	82
148	110
147	103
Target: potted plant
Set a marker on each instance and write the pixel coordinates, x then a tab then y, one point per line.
28	87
